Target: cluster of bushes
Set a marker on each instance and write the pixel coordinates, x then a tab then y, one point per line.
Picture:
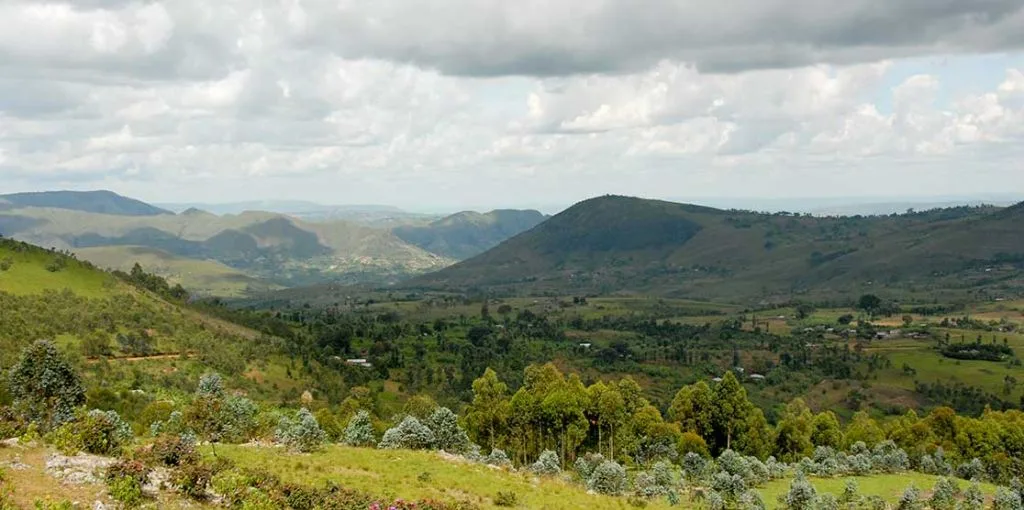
440	431
978	351
946	495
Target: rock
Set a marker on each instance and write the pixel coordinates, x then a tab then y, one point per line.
78	470
99	505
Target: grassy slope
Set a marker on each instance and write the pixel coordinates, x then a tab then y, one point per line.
206	277
28	275
399	472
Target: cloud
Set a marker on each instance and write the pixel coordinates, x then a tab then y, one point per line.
486	102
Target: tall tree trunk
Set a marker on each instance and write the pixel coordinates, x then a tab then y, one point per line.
599	438
611	441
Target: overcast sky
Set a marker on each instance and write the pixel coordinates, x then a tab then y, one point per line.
446	103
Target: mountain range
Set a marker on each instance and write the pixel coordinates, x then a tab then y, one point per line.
247	252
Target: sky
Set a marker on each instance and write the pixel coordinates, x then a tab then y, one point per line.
450	103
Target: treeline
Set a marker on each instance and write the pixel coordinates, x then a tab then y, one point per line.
978	351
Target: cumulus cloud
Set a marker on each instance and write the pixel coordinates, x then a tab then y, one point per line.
480	101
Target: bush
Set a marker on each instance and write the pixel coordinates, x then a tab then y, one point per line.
973	470
498	458
192	479
1006	499
751	500
850	492
944	495
586	464
45	387
645	486
889	458
910	500
973	498
359	431
694	466
128	469
827	502
125	490
302	434
729	486
173	450
448	435
103	432
664	474
410	434
506	498
801	495
547	464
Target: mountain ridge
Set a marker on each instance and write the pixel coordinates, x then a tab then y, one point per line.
101	201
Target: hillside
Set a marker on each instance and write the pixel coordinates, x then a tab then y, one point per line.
206	276
122	336
621	244
467	234
277	249
102	202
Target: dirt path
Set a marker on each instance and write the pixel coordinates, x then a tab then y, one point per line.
166	355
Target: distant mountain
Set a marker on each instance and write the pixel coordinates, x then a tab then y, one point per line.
102	202
294	207
622	244
467	234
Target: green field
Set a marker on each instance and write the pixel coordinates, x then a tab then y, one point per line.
28	274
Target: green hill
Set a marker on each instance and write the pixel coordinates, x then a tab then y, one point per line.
621	244
103	202
467	234
124	337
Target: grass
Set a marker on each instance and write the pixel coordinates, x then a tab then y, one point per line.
397	473
889	487
28	275
400	473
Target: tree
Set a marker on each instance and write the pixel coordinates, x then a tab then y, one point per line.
731	408
44	386
825	430
793	437
607	410
487	417
864	429
448	436
869	303
692	409
359	431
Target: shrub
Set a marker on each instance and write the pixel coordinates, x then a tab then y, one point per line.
729	486
547	464
850	492
1006	499
751	500
875	502
775	468
889	458
410	434
239	415
859	464
192	479
173	450
801	494
448	435
694	466
232	485
973	470
498	458
103	432
6	263
44	386
302	434
944	495
256	499
910	500
664	474
734	464
585	464
645	486
827	502
210	385
506	498
973	498
690	442
125	490
128	469
359	431
714	501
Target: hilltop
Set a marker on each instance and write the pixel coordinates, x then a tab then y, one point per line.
623	244
101	202
467	234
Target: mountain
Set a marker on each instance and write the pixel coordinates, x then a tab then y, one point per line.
623	244
280	250
102	202
467	234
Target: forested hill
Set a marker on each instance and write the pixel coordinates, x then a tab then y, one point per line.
622	244
467	234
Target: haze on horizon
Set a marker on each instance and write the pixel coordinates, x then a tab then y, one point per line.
451	104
